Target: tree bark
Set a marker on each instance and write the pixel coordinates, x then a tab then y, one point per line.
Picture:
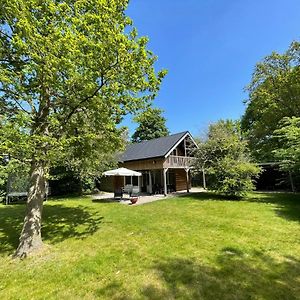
31	239
292	182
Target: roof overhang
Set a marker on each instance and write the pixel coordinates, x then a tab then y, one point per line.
174	147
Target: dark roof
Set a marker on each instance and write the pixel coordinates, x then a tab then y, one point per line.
149	149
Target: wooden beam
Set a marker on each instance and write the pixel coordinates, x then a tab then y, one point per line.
150	183
165	182
187	180
204	179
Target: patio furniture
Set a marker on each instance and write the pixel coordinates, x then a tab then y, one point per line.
135	192
128	189
118	194
123	172
158	189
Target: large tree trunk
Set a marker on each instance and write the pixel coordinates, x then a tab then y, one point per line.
30	239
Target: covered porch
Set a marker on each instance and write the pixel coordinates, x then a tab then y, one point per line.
165	181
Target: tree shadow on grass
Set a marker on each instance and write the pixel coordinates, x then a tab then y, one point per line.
59	223
204	196
286	205
236	276
106	200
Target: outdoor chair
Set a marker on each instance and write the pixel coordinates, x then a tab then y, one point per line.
135	192
158	189
128	189
118	194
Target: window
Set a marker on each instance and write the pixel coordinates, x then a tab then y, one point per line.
127	180
135	180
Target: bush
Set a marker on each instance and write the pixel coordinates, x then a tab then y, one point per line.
233	177
224	156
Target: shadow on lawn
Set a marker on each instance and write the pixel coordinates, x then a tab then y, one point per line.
106	200
287	205
237	276
59	223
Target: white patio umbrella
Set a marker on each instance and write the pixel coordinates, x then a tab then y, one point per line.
122	172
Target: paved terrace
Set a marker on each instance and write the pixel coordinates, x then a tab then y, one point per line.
142	199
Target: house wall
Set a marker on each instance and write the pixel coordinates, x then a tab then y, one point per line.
118	182
180	176
147	164
110	183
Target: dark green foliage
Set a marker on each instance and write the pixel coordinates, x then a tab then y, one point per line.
69	72
224	156
274	93
289	151
151	125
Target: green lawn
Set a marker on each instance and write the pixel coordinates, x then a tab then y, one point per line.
196	247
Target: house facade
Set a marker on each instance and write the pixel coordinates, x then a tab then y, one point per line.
164	162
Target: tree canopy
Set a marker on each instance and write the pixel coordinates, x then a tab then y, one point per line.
69	72
289	137
224	156
151	125
274	93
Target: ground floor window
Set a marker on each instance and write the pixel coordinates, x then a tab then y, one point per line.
134	180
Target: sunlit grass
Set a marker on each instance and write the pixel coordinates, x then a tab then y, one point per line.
196	247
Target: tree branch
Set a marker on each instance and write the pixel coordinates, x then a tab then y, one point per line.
74	110
16	95
5	34
103	82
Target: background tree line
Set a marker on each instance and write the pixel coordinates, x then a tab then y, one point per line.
269	130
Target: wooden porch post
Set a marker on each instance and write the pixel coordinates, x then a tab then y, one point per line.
187	180
204	180
139	183
150	183
165	182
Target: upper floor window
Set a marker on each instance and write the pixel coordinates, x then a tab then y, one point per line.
174	152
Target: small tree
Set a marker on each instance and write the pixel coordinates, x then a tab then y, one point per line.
151	125
225	157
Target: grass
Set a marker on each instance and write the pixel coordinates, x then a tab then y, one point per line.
196	247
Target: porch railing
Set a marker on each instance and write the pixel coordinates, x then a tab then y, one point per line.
179	161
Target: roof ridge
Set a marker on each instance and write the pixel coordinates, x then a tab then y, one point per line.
161	137
157	147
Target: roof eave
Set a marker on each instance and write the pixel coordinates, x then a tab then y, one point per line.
146	158
179	141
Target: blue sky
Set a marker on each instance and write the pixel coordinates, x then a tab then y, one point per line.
210	48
